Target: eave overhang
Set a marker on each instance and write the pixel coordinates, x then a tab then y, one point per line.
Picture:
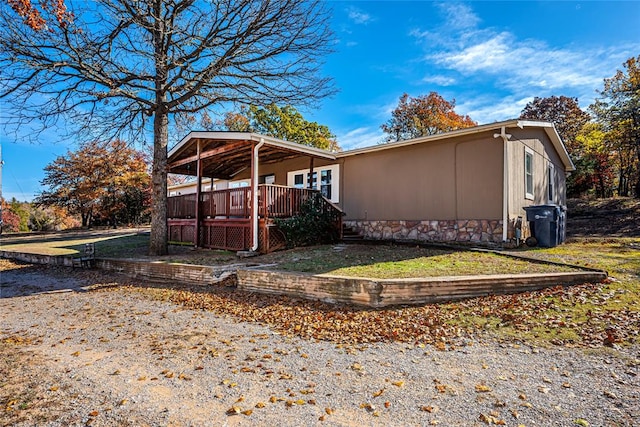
224	155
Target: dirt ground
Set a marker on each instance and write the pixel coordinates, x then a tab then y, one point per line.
82	349
88	348
619	217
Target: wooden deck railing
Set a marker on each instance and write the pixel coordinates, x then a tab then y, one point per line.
225	216
229	203
183	206
274	201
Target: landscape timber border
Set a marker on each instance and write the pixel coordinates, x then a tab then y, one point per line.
358	291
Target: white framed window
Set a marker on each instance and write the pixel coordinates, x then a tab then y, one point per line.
240	184
551	183
528	173
326	179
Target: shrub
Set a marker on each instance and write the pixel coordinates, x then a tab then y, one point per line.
316	223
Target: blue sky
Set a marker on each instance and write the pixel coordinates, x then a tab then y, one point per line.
491	57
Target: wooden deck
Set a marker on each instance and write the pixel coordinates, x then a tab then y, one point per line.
226	216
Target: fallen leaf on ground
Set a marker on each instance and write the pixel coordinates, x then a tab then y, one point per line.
234	410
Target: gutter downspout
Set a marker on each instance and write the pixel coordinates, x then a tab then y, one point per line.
254	198
505	184
196	238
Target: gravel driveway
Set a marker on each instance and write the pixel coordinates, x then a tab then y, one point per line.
77	349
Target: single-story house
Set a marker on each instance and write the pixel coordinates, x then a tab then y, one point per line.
468	185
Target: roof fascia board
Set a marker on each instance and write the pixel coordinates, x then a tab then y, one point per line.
238	136
436	137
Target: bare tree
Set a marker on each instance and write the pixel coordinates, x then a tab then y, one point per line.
132	66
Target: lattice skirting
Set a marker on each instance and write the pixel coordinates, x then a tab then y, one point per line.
182	232
231	235
271	238
228	236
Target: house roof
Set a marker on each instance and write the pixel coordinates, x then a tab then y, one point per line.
225	154
549	129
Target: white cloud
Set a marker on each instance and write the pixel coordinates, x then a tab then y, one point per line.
488	110
358	16
526	63
439	80
360	137
459	15
519	68
489	55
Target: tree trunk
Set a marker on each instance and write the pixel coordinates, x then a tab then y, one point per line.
159	239
158	244
637	192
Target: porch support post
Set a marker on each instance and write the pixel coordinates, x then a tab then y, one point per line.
310	183
254	194
196	238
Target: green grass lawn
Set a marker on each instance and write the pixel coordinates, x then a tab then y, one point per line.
463	263
107	244
399	261
579	315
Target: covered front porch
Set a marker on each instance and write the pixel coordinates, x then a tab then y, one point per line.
241	218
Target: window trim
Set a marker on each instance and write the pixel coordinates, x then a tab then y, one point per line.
335	179
528	152
551	185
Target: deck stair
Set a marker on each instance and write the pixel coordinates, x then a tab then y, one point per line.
350	235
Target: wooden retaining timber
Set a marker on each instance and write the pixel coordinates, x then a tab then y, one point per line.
389	292
169	272
142	269
358	291
60	260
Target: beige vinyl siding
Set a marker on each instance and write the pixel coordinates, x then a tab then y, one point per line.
536	142
479	179
440	180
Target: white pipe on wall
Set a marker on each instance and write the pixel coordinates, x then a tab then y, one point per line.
254	195
505	184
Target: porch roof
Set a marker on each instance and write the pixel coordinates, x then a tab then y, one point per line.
223	155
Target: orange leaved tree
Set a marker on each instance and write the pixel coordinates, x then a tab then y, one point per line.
424	115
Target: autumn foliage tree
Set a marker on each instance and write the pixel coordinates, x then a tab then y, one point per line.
594	167
34	17
10	218
564	112
618	111
424	115
128	68
279	122
98	180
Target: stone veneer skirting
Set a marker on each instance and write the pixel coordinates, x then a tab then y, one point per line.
471	230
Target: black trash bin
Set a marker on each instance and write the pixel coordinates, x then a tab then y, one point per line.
547	224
